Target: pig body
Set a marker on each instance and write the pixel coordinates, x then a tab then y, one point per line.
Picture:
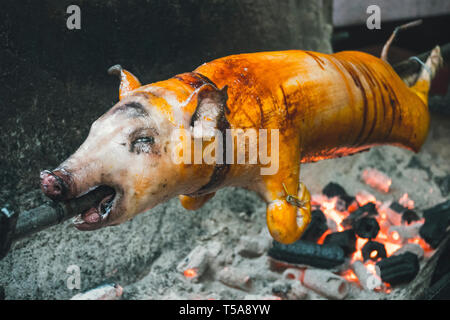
323	106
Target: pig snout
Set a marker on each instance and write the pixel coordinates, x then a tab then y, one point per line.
55	184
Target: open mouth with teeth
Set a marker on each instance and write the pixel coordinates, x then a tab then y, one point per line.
104	199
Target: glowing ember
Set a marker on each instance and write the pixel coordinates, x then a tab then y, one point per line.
377	180
190	273
406	202
391	239
395	236
364	197
349	275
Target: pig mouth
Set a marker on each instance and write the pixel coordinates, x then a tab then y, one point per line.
97	216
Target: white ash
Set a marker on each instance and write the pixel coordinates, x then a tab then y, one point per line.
326	283
406	232
235	278
364	276
410	247
251	247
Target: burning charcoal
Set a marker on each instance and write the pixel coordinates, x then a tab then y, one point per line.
367	228
344	202
410	247
410	216
345	239
376	180
333	190
397	207
369	209
308	253
399	269
326	283
292	274
373	250
363	197
235	278
401	233
252	247
437	219
316	227
110	291
195	264
394	213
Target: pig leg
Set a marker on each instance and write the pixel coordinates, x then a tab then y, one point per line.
194	203
286	221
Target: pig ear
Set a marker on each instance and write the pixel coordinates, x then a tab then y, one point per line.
128	82
210	112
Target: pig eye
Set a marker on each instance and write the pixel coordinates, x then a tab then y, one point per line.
150	140
142	144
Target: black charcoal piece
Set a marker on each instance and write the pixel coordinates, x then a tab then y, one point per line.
410	216
345	239
397	207
372	246
367	227
399	269
316	227
334	190
369	209
308	253
344	202
437	219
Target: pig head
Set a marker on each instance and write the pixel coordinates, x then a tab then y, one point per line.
130	150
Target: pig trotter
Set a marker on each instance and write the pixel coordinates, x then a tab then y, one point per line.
287	222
